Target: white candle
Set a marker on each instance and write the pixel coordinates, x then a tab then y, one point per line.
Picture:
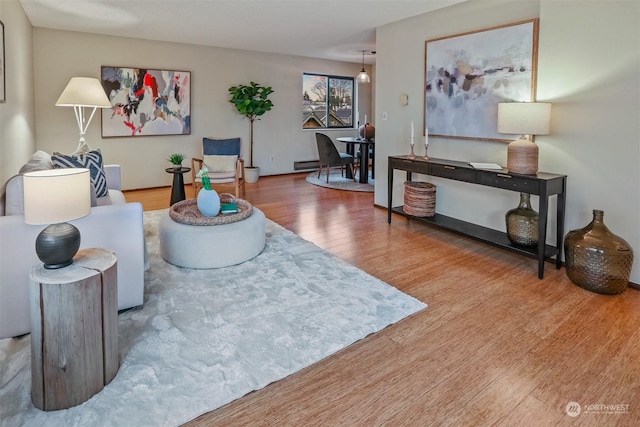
412	133
426	136
365	119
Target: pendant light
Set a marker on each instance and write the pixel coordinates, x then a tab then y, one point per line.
363	77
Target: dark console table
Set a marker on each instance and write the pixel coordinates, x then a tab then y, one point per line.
542	184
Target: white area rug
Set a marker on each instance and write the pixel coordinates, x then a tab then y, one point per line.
338	182
207	337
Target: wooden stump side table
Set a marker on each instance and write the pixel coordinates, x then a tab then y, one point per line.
74	329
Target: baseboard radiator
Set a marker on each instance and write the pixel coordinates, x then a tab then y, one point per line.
306	164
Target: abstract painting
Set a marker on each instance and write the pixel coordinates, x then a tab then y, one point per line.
467	75
146	102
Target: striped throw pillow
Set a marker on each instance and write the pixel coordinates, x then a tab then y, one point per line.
91	160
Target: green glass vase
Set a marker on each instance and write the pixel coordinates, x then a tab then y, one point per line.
522	223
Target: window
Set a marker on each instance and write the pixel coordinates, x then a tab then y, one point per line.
327	101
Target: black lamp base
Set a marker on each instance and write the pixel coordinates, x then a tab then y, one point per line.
57	244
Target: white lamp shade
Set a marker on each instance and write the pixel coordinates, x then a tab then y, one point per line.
56	195
524	118
84	92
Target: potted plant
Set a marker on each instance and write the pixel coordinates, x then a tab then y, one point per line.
252	102
176	160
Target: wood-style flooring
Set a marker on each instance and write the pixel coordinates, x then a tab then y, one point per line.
496	346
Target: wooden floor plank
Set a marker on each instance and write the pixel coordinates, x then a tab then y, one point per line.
496	346
532	412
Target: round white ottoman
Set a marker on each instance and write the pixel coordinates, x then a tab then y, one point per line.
212	246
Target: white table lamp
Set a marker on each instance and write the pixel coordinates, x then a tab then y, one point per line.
53	197
523	118
83	92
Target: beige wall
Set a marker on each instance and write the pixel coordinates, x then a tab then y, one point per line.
17	119
588	67
60	55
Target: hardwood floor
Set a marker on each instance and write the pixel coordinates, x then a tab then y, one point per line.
496	346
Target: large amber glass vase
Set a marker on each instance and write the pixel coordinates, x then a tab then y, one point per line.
596	259
522	223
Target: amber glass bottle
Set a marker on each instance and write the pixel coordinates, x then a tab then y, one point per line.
596	259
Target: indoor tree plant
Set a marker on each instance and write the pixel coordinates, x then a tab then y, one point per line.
252	101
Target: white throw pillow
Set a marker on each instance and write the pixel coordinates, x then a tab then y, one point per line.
39	161
216	163
13	202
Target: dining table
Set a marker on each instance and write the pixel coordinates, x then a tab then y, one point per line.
365	144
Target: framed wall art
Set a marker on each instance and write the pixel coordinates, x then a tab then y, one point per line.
146	102
3	67
467	75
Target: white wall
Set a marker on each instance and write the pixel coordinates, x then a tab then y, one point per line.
588	67
17	119
60	55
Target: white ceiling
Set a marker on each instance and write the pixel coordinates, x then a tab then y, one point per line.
328	29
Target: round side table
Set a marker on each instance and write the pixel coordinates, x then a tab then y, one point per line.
177	188
74	329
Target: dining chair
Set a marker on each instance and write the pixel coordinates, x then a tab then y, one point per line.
223	159
330	156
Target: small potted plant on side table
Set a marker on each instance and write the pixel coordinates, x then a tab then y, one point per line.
176	160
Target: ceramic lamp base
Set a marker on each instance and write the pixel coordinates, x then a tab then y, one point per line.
57	244
522	157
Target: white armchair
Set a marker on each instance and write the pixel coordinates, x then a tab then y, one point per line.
113	224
